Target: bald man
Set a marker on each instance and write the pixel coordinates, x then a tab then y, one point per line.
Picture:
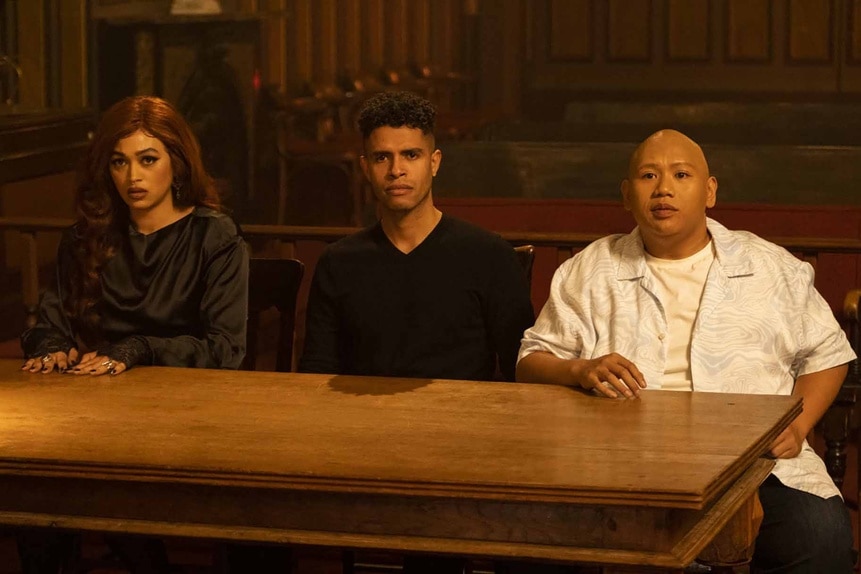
682	303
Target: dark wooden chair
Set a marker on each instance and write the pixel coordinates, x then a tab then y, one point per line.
273	283
318	158
837	422
526	256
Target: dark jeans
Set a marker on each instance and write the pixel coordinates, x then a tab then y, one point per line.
45	551
802	533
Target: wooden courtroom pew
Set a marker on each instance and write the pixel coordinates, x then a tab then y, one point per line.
746	173
727	122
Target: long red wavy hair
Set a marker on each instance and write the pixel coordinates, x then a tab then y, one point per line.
103	216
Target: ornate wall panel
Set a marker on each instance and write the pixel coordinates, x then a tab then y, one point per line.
854	26
32	90
629	30
850	13
397	33
73	55
350	36
326	53
706	49
811	33
688	35
444	30
300	59
748	31
374	37
274	42
419	30
571	28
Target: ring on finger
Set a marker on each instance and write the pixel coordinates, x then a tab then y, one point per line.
110	365
47	358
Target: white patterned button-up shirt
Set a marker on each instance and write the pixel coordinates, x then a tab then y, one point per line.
761	324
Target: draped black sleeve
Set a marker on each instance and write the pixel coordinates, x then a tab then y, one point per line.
53	332
176	297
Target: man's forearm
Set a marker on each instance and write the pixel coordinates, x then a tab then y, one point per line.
609	375
818	391
543	367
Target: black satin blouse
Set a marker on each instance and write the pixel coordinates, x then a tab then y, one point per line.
176	297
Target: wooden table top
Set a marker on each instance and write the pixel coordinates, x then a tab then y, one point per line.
495	441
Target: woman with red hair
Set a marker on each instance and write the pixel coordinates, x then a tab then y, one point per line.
151	273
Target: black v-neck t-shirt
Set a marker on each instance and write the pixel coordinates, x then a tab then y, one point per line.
451	308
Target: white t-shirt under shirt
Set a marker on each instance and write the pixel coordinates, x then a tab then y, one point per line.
681	282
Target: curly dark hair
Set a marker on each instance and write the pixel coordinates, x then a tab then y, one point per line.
396	109
103	217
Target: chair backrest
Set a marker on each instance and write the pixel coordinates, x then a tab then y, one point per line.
273	283
526	256
852	316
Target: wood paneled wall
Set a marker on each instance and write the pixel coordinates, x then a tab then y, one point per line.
693	48
50	48
326	41
523	55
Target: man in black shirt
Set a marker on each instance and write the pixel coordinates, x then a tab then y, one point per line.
418	294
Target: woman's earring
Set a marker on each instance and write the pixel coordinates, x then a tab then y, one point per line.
176	188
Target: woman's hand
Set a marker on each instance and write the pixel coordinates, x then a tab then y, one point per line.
48	361
95	364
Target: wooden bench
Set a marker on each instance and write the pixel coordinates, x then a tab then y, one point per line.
772	174
731	122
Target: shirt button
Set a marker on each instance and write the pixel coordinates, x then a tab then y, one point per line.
661	336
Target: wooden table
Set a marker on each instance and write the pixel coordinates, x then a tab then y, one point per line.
481	469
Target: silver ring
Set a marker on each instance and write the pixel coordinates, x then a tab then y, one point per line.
47	358
109	364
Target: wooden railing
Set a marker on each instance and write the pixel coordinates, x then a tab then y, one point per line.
835	424
566	244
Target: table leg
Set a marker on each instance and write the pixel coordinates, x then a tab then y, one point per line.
733	546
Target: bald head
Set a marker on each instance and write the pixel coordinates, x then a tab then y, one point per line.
669	141
668	190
